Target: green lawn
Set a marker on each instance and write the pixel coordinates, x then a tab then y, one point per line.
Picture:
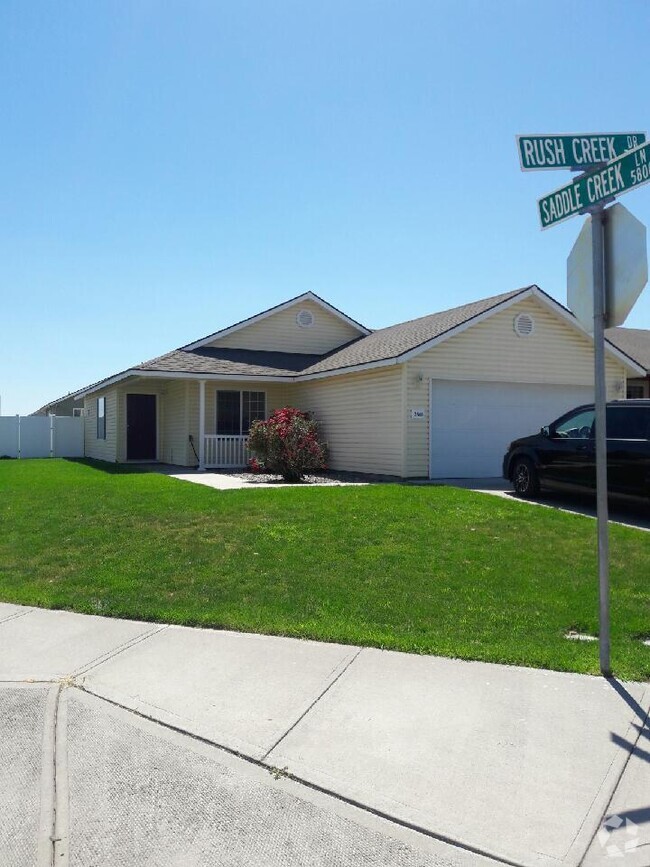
422	569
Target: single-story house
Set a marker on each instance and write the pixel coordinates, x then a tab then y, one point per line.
634	342
67	405
439	396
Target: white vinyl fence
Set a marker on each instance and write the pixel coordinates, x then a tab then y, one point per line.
41	436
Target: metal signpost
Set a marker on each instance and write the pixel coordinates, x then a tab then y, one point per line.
600	399
612	164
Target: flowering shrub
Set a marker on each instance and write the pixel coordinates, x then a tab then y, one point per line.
288	443
255	466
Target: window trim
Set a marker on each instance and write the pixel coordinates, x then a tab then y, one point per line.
101	418
240	392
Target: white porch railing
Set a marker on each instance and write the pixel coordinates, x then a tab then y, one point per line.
225	452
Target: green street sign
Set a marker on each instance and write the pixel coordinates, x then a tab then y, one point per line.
619	176
580	151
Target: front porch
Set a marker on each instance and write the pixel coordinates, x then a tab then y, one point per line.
224	413
181	420
222	452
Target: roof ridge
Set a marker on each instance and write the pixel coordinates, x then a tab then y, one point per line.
497	299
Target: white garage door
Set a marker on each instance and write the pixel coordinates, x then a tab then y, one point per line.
472	423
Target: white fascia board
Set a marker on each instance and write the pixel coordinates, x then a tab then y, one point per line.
339	371
406	356
530	291
167	374
570	319
299	377
625	360
322	303
306	296
105	383
503	305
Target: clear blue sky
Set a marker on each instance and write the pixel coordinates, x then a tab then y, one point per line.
168	168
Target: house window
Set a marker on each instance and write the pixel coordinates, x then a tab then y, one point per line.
635	391
237	410
101	418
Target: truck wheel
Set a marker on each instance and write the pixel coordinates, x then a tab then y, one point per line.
524	478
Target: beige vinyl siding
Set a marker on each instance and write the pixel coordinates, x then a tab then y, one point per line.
555	353
139	386
193	418
104	449
175	423
280	332
361	418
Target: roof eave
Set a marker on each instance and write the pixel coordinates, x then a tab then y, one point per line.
182	374
526	292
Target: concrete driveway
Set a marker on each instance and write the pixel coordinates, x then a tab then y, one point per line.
127	743
629	514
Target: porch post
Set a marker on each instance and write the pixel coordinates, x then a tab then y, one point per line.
202	425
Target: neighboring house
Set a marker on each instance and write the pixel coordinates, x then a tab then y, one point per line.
439	396
634	342
68	405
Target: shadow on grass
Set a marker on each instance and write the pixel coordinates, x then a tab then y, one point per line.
115	469
128	469
633	512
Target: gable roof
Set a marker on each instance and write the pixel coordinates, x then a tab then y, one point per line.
634	342
393	342
306	296
392	345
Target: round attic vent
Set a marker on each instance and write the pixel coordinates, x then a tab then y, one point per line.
305	318
524	325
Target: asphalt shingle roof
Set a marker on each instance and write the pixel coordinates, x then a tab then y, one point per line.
234	362
381	345
396	340
634	342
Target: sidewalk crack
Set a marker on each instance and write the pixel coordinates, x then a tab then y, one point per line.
307	784
45	854
312	705
61	830
14	616
115	651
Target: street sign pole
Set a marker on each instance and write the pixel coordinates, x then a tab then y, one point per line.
599	217
613	164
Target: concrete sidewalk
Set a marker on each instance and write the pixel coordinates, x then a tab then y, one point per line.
128	743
